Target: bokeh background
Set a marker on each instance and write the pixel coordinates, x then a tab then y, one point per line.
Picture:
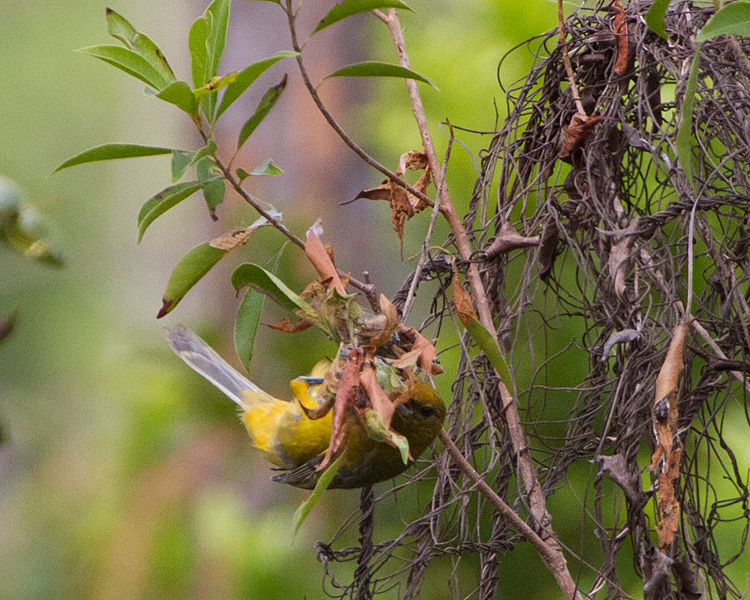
123	475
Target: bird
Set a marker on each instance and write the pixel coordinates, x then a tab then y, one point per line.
296	444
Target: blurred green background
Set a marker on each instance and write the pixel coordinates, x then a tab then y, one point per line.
123	474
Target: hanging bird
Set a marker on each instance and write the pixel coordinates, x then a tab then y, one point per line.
295	443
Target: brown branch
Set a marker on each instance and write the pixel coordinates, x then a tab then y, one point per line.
550	557
359	151
553	556
367	289
566	59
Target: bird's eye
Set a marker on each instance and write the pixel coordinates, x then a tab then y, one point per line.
425	410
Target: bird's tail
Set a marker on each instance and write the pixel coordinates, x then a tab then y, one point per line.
203	359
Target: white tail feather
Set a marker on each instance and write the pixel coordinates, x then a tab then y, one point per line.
203	359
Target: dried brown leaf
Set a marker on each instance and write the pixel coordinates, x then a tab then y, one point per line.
669	507
379	400
285	326
462	301
233	239
580	128
321	259
548	248
422	352
508	239
381	328
621	32
618	260
347	395
320	411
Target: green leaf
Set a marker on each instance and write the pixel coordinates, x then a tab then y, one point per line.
264	107
207	39
197	37
729	19
377	430
684	138
180	94
121	29
655	17
488	344
182	161
266	168
246	325
248	320
163	201
379	69
130	62
347	8
112	152
325	480
270	285
215	84
189	270
214	188
247	77
242	174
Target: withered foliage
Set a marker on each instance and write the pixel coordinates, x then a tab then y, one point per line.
594	323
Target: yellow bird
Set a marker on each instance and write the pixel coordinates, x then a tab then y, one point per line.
293	442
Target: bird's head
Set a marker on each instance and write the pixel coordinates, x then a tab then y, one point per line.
421	418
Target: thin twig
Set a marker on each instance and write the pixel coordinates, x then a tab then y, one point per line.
333	123
550	557
424	255
557	562
367	289
566	59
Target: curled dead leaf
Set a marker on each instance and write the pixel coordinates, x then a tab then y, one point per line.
347	397
404	204
321	259
669	507
548	248
621	33
380	328
619	257
233	239
580	128
462	300
379	400
508	239
285	326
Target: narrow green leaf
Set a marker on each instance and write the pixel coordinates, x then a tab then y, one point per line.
182	161
247	77
214	188
121	29
163	201
488	344
128	61
246	325
215	84
264	107
347	8
684	138
379	69
268	284
197	37
266	168
217	37
655	17
248	319
325	480
189	270
180	94
729	19
112	152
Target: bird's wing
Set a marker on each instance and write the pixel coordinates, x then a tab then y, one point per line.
202	358
304	476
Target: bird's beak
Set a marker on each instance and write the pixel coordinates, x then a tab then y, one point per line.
312	380
404	410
